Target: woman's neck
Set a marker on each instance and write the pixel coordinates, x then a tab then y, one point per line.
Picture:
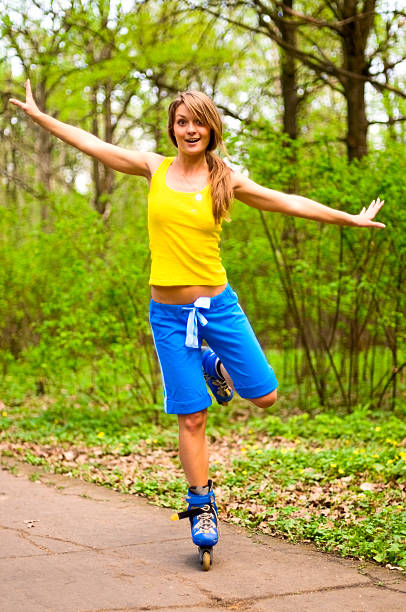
191	164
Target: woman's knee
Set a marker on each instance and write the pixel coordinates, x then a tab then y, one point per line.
265	401
193	423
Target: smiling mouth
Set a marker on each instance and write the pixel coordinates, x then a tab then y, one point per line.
192	140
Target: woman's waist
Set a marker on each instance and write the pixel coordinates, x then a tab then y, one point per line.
184	294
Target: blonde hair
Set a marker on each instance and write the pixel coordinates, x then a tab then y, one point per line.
204	109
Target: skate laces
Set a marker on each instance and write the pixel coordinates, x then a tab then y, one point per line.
220	383
207	519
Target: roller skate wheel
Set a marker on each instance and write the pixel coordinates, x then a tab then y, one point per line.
206	558
206	561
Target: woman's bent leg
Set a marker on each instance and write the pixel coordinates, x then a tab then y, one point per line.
265	401
193	451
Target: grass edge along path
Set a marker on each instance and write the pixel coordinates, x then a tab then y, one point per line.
339	482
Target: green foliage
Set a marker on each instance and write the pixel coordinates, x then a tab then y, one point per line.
338	291
73	315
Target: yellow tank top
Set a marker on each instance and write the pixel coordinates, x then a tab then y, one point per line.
183	236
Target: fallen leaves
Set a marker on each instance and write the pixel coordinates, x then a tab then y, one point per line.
367	486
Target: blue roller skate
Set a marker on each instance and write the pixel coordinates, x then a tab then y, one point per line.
202	514
214	378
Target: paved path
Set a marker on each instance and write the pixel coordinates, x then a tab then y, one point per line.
92	549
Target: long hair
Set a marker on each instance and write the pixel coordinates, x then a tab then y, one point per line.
204	109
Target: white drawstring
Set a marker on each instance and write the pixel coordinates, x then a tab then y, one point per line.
192	339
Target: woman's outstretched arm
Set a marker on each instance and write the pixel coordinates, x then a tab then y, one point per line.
130	162
263	198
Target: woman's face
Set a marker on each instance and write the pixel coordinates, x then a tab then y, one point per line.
192	136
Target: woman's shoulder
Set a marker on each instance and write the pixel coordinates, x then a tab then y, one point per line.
237	180
155	160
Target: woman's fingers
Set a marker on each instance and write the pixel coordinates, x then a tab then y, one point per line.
373	208
367	214
28	91
17	103
376	205
29	106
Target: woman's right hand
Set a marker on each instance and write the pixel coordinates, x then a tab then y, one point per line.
123	160
29	106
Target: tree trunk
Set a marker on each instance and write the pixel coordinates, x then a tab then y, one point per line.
357	124
355	33
108	175
288	75
95	163
103	176
44	148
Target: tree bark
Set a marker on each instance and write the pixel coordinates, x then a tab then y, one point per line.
354	35
44	147
102	175
288	75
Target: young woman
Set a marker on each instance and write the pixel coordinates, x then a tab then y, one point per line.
189	196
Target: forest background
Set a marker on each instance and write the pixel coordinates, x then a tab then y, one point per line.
313	99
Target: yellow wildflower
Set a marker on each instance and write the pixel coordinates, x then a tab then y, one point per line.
100	434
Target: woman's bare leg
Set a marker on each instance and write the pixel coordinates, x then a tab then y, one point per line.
193	451
262	402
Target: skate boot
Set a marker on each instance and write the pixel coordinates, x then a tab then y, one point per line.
214	378
202	514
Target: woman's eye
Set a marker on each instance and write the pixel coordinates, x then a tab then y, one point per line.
181	122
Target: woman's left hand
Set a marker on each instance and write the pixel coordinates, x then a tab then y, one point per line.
364	219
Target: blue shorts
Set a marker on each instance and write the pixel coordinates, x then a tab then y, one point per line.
178	331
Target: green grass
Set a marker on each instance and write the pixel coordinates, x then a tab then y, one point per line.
336	480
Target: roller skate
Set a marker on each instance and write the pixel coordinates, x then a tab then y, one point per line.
202	514
214	378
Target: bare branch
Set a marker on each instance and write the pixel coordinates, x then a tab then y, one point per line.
390	121
320	23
